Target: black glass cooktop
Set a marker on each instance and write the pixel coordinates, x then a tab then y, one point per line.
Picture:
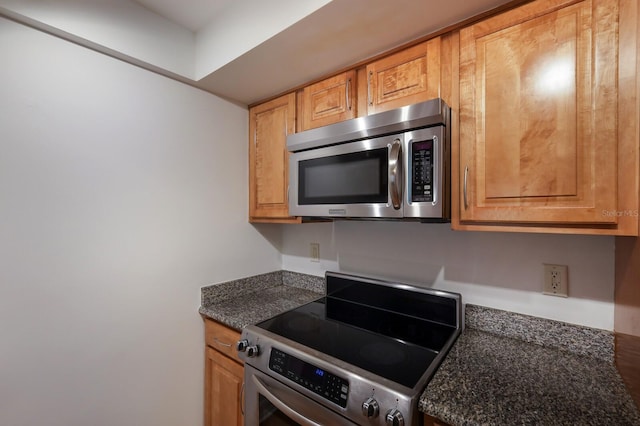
386	332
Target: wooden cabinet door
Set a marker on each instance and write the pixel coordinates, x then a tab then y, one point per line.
269	125
329	101
538	115
407	77
223	390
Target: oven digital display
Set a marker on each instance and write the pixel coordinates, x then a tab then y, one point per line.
317	380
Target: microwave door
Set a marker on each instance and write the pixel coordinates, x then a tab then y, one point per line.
350	180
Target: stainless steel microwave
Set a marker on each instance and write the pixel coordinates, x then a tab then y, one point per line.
391	165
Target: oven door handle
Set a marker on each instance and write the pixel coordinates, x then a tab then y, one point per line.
290	412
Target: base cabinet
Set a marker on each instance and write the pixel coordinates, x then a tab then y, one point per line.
224	378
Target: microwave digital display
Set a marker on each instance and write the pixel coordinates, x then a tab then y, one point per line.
422	171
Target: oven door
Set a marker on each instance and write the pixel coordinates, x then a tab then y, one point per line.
268	402
354	179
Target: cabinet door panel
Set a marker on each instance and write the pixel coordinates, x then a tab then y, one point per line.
538	127
223	391
329	101
270	161
270	123
538	115
405	78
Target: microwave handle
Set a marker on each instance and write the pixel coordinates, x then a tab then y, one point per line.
290	412
436	176
395	174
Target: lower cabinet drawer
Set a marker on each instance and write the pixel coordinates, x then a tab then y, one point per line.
222	338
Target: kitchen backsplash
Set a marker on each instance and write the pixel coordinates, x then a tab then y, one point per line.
497	270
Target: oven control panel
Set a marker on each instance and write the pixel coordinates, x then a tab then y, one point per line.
317	380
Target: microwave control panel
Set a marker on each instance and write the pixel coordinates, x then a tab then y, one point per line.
422	171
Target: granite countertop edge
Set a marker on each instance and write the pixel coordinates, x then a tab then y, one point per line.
249	300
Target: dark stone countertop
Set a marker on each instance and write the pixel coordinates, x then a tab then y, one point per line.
250	300
512	369
504	369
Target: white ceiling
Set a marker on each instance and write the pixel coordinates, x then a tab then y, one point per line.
337	35
243	50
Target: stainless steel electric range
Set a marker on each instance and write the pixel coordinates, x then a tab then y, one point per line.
360	355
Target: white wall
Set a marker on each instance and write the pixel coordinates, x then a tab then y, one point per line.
121	194
500	270
128	30
121	27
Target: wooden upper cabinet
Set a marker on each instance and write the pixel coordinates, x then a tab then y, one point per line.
269	125
539	114
404	78
329	101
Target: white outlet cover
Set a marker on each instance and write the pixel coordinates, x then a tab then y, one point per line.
314	252
556	280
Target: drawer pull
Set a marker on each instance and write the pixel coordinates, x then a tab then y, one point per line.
221	343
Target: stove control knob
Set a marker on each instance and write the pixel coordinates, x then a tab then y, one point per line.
242	345
370	408
394	418
253	351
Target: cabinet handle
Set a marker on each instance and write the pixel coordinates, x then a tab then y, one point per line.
464	191
221	343
349	94
369	97
242	399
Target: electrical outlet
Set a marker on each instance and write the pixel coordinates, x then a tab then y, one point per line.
314	252
556	280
